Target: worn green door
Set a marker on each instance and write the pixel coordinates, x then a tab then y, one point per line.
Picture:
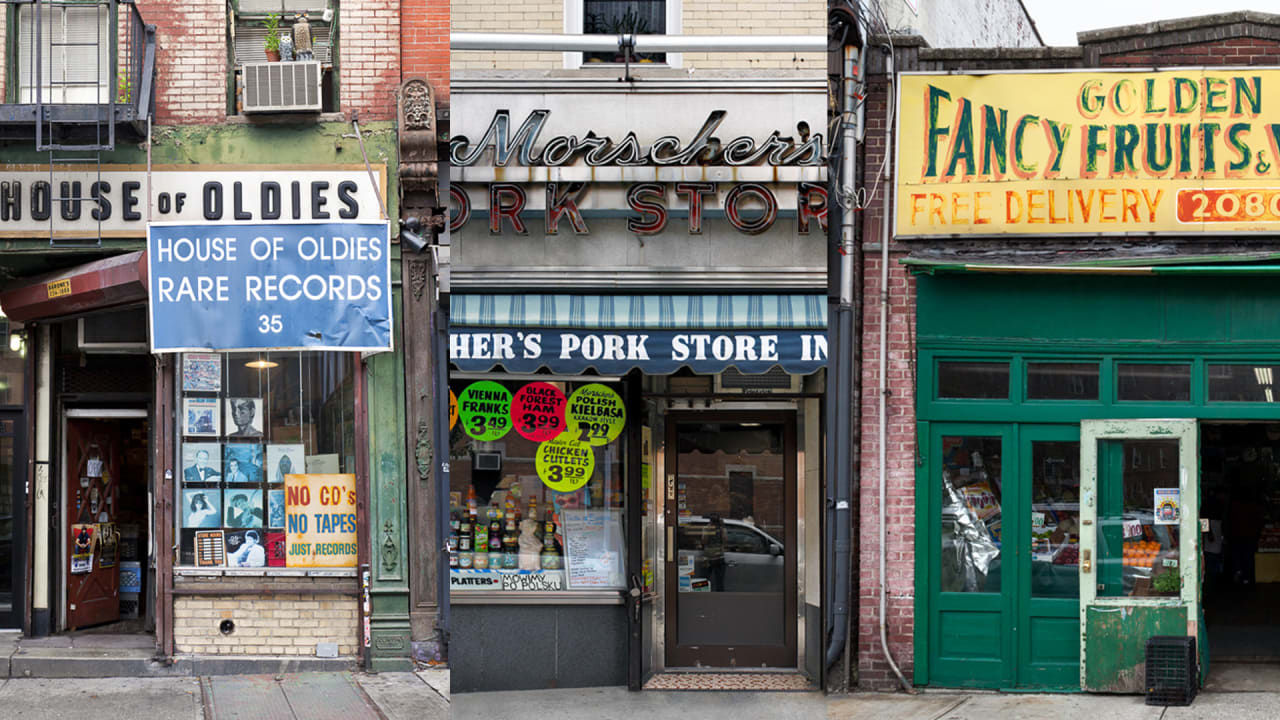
1048	593
969	596
1139	548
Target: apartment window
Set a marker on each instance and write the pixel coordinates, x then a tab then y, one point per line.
249	21
618	17
73	56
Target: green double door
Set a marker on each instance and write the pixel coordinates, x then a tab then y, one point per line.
999	515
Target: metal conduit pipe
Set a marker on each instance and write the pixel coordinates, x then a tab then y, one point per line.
546	42
842	472
882	430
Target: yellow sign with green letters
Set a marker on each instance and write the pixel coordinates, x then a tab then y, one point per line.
1194	150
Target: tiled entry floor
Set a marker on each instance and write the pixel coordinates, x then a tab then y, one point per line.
768	681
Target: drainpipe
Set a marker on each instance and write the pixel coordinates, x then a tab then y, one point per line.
841	433
882	429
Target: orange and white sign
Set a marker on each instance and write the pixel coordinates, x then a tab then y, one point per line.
320	520
1193	150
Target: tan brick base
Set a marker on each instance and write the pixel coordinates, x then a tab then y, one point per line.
270	625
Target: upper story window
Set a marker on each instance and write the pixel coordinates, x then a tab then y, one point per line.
73	61
618	17
301	80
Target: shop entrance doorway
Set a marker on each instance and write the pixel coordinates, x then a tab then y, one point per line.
1240	500
731	551
104	498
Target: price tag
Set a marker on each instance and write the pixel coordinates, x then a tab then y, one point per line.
565	463
1132	528
598	414
453	409
1037	519
486	410
537	411
1170	562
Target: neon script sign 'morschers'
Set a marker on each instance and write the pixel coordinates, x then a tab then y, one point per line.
703	149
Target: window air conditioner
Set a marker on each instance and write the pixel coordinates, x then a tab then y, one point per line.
776	380
281	87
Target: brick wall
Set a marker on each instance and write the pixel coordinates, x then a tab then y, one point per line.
265	625
191	60
699	17
370	57
533	16
749	17
424	43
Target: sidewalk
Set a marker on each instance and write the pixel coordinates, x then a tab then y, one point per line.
619	704
301	696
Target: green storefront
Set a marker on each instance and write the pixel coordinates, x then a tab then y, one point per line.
1077	430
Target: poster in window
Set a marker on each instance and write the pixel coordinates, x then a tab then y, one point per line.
320	520
201	417
277	550
108	545
284	460
244	417
201	508
243	508
242	463
593	547
201	372
209	549
275	508
201	462
245	549
1168	504
82	544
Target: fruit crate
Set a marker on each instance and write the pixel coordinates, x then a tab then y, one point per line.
1172	676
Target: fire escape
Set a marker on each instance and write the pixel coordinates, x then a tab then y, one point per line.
84	77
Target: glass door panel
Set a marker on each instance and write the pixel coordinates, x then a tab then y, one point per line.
1139	544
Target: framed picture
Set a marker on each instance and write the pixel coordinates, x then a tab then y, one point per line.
201	508
285	460
201	462
245	548
201	417
275	508
276	549
244	417
201	372
242	463
242	508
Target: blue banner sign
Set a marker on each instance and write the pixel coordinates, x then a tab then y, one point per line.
616	352
302	286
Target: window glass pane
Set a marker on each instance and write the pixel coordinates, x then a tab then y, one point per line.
1139	507
1243	383
248	420
970	514
510	528
1055	519
617	17
12	365
1062	381
973	380
1160	383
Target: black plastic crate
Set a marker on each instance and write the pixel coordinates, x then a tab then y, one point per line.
1172	672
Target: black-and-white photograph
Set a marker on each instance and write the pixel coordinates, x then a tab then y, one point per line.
201	417
201	462
275	508
244	417
243	508
284	460
201	508
245	549
242	463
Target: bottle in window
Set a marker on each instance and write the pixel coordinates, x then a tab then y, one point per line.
480	545
551	559
510	546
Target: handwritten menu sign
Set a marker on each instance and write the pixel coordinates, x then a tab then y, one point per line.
593	547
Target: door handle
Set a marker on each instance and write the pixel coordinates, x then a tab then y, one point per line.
671	541
1086	561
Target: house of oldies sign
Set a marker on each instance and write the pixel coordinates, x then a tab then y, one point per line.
81	202
751	206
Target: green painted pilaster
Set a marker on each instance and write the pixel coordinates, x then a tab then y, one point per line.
388	556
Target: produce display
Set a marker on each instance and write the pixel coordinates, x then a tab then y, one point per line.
1068	555
1141	553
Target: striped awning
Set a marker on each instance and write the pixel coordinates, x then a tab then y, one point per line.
640	312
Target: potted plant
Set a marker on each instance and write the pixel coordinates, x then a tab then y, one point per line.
272	43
